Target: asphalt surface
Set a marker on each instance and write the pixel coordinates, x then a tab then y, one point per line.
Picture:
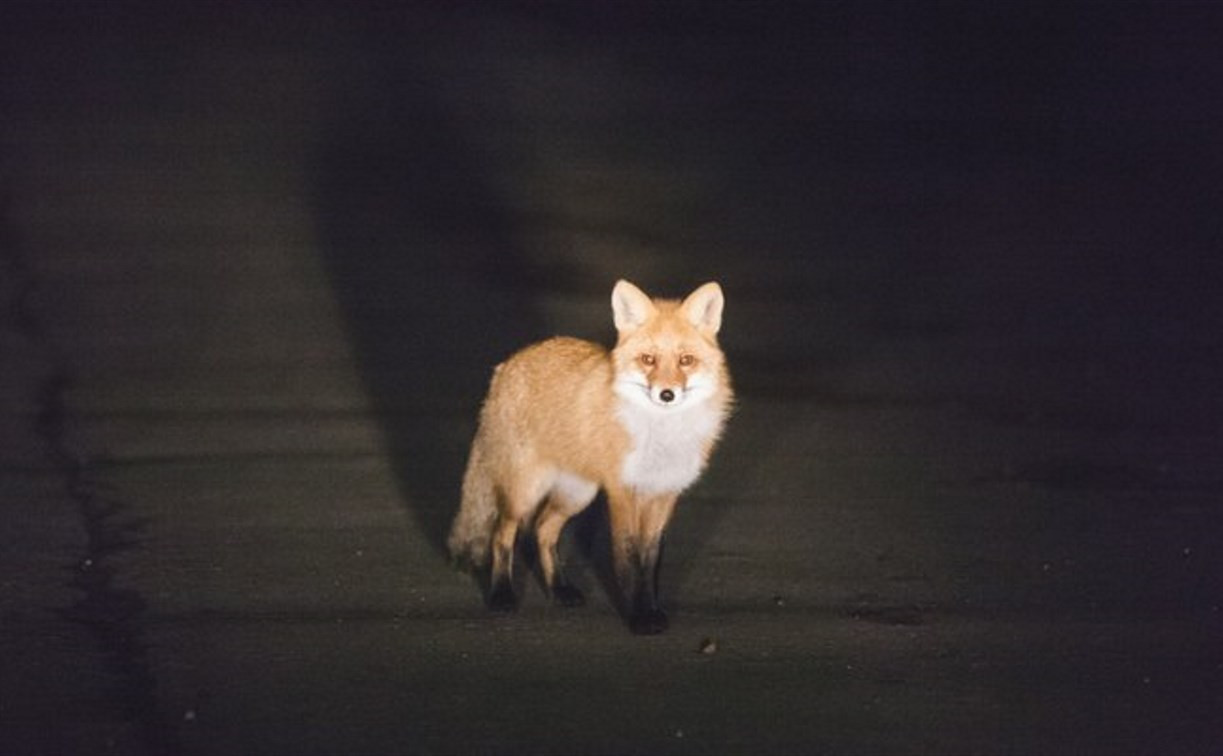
257	261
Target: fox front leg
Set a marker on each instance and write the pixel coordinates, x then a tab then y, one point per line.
637	527
646	617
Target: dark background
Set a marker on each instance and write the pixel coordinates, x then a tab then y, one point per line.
258	260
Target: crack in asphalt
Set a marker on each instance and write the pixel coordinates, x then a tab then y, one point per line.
113	616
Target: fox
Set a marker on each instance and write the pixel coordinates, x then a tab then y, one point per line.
565	418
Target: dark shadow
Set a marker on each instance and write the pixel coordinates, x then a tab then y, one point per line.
426	265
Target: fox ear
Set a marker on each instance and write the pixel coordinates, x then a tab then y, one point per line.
703	308
630	307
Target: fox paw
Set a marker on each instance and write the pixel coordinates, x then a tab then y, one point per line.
501	598
648	622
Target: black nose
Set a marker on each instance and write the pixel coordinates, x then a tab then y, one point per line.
667	395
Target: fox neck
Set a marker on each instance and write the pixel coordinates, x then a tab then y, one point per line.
669	445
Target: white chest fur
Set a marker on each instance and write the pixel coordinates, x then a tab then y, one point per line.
668	447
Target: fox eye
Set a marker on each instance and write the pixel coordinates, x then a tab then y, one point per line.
686	360
648	360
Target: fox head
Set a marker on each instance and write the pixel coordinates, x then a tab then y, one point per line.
667	354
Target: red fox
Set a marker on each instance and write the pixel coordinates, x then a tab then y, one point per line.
566	417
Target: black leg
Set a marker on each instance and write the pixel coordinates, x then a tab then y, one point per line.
501	596
645	615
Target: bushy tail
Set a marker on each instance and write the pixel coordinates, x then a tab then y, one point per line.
471	534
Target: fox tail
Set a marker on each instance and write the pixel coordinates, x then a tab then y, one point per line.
472	531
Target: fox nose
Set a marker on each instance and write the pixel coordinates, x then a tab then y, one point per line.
667	395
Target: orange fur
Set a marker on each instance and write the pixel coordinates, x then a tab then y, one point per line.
565	417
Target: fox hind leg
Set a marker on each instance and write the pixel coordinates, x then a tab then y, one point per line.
501	596
569	496
519	501
547	531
